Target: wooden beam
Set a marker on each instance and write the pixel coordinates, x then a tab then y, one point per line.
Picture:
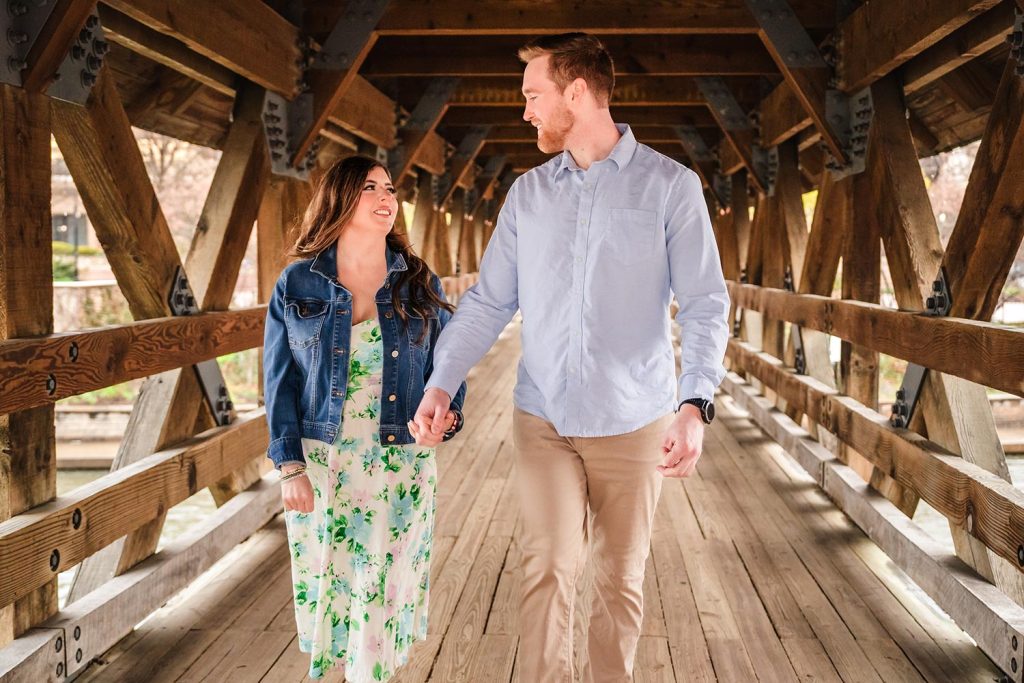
28	469
630	91
604	17
86	361
102	618
651	55
804	69
513	116
979	608
424	212
732	119
956	488
246	36
875	40
368	113
790	193
429	111
994	363
980	35
120	502
54	42
877	37
463	160
988	228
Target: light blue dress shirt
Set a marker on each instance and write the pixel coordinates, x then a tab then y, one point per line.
591	259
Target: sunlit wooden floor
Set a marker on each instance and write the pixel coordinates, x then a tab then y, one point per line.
753	575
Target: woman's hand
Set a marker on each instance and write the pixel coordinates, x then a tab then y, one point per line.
297	493
427	437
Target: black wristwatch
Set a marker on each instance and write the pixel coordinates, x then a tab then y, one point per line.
706	408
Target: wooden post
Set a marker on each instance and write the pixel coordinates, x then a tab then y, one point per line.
28	471
468	259
424	212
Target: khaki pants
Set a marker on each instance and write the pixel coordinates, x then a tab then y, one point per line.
559	478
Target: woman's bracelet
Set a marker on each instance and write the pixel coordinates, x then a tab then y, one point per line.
299	472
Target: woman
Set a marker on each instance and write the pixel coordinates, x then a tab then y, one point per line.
349	337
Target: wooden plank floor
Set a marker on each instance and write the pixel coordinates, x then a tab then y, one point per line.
753	575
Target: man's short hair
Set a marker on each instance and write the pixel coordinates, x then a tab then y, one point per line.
575	55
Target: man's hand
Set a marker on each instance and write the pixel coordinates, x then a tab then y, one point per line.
429	423
683	442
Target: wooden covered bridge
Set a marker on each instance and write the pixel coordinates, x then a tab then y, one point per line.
792	554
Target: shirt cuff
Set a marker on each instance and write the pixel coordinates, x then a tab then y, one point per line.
696	386
446	383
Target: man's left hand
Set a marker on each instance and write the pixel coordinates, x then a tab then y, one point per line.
682	445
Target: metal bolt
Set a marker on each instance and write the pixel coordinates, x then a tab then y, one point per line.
16	37
78	632
277	144
54	560
93	63
17	8
51	384
1014	642
275	131
60	669
1020	555
271	118
58	644
73	352
272	105
100	48
76	519
77	52
84	36
88	78
78	656
16	64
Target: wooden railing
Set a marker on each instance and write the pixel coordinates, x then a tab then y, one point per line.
984	505
57	536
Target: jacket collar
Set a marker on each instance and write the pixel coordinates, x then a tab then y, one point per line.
325	263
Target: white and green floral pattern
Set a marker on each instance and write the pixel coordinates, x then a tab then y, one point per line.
361	559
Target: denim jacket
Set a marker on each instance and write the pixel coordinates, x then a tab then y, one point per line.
305	357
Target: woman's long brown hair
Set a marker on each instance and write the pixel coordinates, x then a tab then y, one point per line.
334	202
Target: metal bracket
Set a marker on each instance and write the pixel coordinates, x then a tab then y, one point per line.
694	144
938	304
766	165
350	34
81	67
851	118
427	110
183	302
716	91
21	21
470	144
1016	41
783	29
721	185
799	357
283	123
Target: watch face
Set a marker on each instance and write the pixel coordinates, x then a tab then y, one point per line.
709	412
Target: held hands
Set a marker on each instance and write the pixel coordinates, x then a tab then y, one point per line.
298	492
433	418
681	447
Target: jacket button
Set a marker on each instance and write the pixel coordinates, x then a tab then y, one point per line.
387	314
340	352
394	354
336	393
391	437
392	397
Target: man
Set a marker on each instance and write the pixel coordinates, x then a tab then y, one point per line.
589	247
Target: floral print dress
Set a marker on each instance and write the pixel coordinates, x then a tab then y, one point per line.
361	559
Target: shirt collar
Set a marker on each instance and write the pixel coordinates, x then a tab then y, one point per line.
621	153
326	262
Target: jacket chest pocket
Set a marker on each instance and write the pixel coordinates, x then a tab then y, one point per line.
631	235
304	319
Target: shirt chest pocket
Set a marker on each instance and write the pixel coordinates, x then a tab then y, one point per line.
631	235
304	319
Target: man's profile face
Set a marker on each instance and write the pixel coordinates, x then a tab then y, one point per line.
546	108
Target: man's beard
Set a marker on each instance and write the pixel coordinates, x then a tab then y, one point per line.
552	135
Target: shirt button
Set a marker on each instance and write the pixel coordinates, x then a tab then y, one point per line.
392	397
394	354
391	437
